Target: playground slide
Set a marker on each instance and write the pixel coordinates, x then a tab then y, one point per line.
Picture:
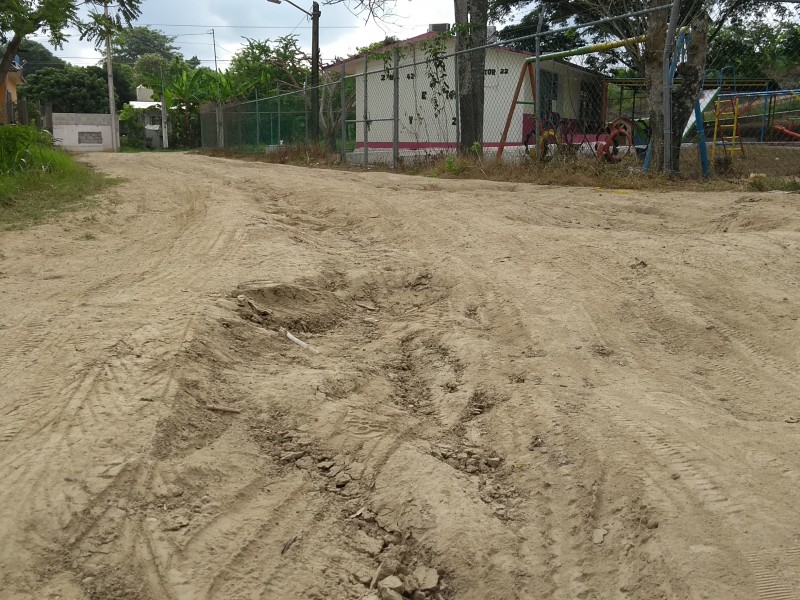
706	98
785	131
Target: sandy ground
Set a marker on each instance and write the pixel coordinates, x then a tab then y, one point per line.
520	391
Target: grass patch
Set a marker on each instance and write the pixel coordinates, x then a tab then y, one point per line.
564	170
769	184
54	184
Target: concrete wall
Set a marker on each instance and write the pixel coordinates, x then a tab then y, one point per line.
427	115
83	132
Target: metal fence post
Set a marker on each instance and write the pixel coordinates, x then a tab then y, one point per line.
396	111
537	106
220	126
457	89
344	114
305	106
669	43
366	113
258	123
280	142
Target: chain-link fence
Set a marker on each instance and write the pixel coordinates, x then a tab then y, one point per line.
413	101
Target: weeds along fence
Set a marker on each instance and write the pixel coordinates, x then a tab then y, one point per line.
401	104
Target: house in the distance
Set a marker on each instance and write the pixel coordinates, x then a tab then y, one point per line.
8	93
151	115
428	106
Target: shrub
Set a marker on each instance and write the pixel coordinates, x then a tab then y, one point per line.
132	130
23	148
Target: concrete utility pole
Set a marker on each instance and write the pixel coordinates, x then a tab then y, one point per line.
220	124
164	118
112	107
314	14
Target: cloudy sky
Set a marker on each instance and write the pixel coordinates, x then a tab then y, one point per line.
341	31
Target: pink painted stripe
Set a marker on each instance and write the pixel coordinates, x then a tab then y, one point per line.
424	145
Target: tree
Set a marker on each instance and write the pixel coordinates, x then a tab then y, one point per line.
70	89
131	127
758	50
34	57
185	90
129	45
707	18
151	70
471	19
271	65
375	46
21	18
555	42
124	85
78	89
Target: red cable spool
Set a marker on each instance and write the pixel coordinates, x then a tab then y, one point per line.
610	149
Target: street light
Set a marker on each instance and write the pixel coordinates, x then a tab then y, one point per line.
314	14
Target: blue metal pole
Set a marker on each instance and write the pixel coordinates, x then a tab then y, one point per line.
701	140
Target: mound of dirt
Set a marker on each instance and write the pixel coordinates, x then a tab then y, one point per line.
294	307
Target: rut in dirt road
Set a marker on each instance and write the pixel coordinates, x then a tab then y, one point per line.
515	395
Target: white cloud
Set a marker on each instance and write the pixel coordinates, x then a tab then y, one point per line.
341	31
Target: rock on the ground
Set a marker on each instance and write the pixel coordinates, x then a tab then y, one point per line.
292	456
356	470
390	566
368	544
341	480
391	583
598	535
427	579
305	463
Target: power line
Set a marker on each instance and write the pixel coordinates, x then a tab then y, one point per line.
96	58
247	26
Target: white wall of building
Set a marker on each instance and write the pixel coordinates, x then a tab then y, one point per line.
83	132
427	114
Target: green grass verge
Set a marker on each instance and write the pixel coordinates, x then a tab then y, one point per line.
34	195
769	184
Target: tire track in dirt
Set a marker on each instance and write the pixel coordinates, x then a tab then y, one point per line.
47	443
465	358
771	586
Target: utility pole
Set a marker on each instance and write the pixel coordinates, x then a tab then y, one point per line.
164	132
112	108
315	13
220	127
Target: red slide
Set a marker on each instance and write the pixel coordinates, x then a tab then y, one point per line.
788	132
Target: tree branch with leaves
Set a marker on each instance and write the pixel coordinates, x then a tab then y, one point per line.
22	18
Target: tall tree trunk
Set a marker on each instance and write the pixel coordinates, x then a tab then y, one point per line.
471	18
653	65
690	73
10	53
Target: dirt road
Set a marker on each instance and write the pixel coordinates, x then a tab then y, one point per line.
519	392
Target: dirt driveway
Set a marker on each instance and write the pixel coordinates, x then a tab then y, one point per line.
519	391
